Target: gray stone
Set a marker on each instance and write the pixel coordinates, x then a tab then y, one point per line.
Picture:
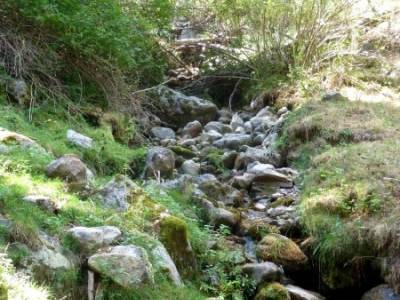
263	272
252	154
78	139
117	192
232	141
163	133
93	238
228	159
160	161
127	266
236	122
190	167
282	111
179	109
218	127
43	202
192	129
221	216
164	264
243	181
71	169
381	292
210	136
297	293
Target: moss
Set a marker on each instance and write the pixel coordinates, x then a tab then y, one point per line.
174	236
281	250
273	291
183	151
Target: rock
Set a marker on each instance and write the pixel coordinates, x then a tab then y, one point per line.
127	266
43	202
71	169
232	141
273	291
179	109
281	250
79	139
182	151
190	167
163	133
243	181
192	129
333	96
218	127
174	236
19	90
10	137
93	238
263	272
119	192
381	292
266	173
210	136
297	293
264	112
252	154
282	111
236	122
228	159
221	216
164	264
262	123
159	162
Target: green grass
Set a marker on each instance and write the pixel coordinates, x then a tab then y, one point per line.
347	153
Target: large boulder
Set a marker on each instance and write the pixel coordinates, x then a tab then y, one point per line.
163	133
281	250
164	264
297	293
71	169
381	292
160	161
127	266
92	238
263	272
78	139
179	109
118	192
174	236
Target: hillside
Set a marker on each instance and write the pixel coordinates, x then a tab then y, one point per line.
162	149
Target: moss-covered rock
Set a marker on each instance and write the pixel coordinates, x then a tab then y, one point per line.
183	151
174	236
281	250
273	291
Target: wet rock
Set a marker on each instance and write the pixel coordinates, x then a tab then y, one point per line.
93	238
232	141
281	250
263	272
43	202
163	133
78	139
71	169
127	266
174	236
118	192
164	264
218	127
297	293
179	109
192	129
159	162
